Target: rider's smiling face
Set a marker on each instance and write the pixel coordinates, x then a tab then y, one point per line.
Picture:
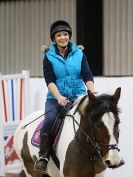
62	38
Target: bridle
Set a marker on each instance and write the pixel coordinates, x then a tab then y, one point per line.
92	139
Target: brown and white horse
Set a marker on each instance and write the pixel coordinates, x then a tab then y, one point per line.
88	143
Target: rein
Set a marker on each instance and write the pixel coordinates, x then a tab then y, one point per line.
93	141
66	107
23	127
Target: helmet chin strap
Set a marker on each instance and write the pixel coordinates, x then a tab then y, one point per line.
62	47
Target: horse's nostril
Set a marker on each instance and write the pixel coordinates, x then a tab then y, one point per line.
107	162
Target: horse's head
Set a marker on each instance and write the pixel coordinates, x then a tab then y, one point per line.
101	113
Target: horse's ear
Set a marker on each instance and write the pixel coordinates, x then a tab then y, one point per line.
91	96
117	95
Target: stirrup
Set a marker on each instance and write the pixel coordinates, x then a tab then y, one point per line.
44	159
41	171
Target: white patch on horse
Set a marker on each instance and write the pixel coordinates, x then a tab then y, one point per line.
109	121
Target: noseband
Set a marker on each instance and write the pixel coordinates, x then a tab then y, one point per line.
92	139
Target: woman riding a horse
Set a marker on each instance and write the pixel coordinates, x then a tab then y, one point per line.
65	70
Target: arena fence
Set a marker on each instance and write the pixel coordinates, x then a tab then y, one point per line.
14	106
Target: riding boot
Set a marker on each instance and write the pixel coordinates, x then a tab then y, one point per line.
44	154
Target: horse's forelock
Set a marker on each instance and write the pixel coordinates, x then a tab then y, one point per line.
103	104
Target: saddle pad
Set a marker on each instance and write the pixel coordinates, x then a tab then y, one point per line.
35	140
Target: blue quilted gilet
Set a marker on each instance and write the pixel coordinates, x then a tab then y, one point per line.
67	72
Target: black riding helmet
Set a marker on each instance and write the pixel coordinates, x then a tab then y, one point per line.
60	25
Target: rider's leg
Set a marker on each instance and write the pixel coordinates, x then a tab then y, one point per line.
41	163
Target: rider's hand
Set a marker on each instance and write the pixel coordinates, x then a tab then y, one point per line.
63	101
